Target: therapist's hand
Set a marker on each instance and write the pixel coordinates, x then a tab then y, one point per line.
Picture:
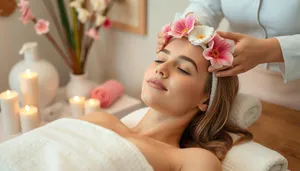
248	53
161	42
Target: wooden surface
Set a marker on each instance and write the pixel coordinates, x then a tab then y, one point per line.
279	129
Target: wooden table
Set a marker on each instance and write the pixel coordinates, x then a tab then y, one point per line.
279	129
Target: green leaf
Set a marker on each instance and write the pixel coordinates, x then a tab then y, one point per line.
65	22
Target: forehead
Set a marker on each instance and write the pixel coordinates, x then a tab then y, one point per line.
178	47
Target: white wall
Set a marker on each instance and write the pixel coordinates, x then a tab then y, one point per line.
130	54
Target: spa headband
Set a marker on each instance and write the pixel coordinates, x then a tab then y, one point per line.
216	49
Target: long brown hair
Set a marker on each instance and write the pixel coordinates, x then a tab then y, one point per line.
210	130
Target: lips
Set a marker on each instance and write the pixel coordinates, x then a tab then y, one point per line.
155	83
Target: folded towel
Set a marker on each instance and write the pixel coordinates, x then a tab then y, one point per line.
108	93
252	156
71	145
245	110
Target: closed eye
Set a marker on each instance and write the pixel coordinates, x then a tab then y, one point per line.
159	61
183	71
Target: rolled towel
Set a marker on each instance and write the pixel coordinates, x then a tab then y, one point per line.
252	156
108	93
245	110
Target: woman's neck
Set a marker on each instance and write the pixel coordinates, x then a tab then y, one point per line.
164	128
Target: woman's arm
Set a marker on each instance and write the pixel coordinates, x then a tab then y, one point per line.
209	11
290	49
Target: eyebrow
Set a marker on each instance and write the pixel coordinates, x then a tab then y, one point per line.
182	57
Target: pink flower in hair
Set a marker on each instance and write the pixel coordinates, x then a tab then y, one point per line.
42	27
219	52
165	30
93	34
26	14
183	27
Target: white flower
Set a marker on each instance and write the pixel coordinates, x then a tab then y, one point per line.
200	34
100	19
83	15
98	5
76	4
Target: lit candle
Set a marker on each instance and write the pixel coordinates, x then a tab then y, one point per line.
92	105
30	118
29	88
77	106
10	114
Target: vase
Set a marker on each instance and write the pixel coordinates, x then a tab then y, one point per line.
79	85
48	78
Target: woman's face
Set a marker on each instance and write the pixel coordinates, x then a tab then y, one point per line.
174	83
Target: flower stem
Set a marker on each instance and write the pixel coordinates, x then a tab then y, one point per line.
91	41
58	49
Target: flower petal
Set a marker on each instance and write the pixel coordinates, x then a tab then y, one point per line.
178	29
216	63
190	22
93	34
42	27
226	46
165	30
100	19
200	34
83	15
226	59
107	23
207	54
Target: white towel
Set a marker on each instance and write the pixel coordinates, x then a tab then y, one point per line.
71	145
252	156
245	110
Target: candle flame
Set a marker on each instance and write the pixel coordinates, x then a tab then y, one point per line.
92	101
76	98
27	108
8	92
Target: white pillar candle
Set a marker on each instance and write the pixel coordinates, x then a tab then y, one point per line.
30	118
29	88
92	105
10	114
77	106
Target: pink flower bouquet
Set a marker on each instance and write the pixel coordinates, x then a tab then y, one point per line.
88	16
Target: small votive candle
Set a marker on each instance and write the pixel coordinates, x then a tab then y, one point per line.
29	88
77	106
30	118
92	105
10	113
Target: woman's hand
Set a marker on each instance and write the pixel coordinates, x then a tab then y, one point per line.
161	42
248	53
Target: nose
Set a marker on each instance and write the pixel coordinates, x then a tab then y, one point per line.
162	71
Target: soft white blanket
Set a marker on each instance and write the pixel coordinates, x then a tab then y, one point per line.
71	145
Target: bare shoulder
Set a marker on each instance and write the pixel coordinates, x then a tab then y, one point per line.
105	120
197	159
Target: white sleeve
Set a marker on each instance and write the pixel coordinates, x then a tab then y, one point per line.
209	12
290	47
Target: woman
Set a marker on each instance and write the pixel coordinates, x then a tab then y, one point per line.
176	87
186	127
265	37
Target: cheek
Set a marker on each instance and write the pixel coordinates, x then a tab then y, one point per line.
188	90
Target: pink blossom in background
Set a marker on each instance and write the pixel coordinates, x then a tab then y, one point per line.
165	30
93	34
26	14
219	52
42	27
183	26
107	23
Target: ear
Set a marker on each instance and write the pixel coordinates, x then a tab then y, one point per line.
203	105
